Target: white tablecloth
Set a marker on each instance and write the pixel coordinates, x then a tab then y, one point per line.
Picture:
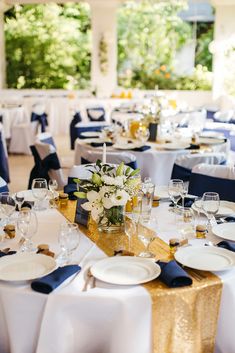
107	319
153	163
11	117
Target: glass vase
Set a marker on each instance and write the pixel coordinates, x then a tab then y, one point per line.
112	220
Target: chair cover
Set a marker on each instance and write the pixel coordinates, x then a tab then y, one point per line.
47	164
3	185
4	168
46	137
184	164
96	114
223	117
76	119
84	127
228	134
217	178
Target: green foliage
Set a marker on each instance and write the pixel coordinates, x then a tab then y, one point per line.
48	46
205	33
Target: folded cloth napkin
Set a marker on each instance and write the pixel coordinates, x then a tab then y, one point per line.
229	245
50	282
188	201
100	144
2	253
173	275
229	219
141	149
193	147
28	204
70	190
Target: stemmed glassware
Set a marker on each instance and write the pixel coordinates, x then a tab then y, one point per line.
68	241
39	189
142	134
210	204
175	191
27	224
147	232
53	185
184	192
130	229
7	205
19	199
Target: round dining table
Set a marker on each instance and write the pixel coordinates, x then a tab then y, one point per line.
156	162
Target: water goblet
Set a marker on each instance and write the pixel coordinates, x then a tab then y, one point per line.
27	224
130	229
68	241
184	192
210	204
19	199
39	189
147	200
185	222
175	190
7	206
142	134
147	232
53	185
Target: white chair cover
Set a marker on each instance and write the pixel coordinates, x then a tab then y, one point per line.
219	171
190	160
44	149
22	137
224	116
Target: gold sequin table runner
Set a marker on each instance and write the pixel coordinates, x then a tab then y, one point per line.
184	320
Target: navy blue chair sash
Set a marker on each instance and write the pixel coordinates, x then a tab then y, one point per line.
76	119
42	119
4	188
179	172
4	168
42	167
132	164
199	183
49	141
100	109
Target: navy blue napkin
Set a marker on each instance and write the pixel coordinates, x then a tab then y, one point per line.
229	245
70	189
173	275
82	215
100	144
141	149
188	201
50	282
2	253
193	147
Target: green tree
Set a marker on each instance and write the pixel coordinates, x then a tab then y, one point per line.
48	46
149	35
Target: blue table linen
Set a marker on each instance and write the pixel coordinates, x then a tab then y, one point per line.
50	282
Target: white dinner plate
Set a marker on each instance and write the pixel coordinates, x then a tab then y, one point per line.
212	134
210	140
173	146
90	134
225	230
205	258
125	270
226	208
127	146
24	267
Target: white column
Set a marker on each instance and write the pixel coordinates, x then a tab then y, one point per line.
104	46
2	52
224	30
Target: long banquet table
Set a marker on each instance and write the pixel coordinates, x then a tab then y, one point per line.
106	319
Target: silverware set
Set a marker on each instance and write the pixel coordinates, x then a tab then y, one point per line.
90	279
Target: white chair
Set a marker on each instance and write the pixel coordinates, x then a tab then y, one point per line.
217	178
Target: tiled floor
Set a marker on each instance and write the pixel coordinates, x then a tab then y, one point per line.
21	165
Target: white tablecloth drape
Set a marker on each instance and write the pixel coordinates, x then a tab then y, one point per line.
153	163
107	319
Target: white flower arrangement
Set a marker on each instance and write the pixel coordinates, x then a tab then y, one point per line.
108	189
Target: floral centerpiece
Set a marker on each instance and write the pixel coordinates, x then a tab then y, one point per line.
107	192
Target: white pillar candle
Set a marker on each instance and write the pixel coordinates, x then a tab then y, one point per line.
104	154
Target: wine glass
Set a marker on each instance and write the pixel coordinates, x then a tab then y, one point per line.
27	224
184	192
68	241
7	206
210	204
19	199
185	221
175	191
130	229
39	189
53	185
147	232
142	134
